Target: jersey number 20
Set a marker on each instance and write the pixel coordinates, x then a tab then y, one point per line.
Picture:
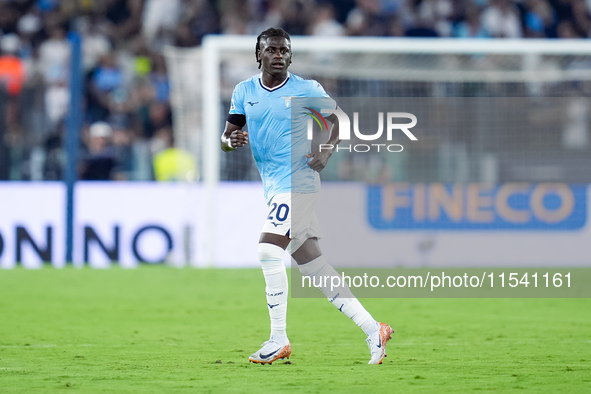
280	212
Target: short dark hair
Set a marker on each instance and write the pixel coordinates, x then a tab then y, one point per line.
271	32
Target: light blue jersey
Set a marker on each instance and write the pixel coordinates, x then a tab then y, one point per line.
278	148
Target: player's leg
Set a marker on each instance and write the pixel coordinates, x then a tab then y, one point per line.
272	244
271	251
312	263
305	250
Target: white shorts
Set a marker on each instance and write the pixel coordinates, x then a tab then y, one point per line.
294	215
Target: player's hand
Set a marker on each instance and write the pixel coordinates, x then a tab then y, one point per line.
239	138
319	159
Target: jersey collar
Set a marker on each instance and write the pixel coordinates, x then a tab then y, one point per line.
276	87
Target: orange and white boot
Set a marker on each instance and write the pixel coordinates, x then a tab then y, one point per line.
271	351
377	343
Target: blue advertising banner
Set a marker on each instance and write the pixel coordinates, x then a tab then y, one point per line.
477	206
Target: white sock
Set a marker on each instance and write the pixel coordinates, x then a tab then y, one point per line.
271	258
341	297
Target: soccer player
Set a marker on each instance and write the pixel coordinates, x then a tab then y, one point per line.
263	104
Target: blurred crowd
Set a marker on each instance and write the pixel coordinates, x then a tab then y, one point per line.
406	18
127	112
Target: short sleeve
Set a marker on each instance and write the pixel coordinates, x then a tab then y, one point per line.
317	90
324	101
237	103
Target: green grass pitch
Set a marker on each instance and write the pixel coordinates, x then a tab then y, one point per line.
160	329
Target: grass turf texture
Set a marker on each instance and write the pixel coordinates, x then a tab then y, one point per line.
160	329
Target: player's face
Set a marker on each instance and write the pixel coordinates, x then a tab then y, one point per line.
275	55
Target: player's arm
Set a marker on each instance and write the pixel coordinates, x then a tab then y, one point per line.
320	158
334	131
233	136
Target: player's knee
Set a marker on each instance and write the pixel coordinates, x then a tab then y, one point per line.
269	253
313	267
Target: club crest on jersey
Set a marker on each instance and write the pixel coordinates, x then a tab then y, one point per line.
287	101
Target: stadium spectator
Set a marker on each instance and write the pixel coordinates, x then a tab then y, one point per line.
343	8
159	20
296	16
395	27
54	54
437	14
233	23
367	19
199	18
265	14
159	79
471	27
184	38
9	17
422	27
123	18
580	17
123	141
501	20
540	21
99	163
52	156
29	29
324	23
95	43
12	76
171	164
12	71
105	87
566	30
153	116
